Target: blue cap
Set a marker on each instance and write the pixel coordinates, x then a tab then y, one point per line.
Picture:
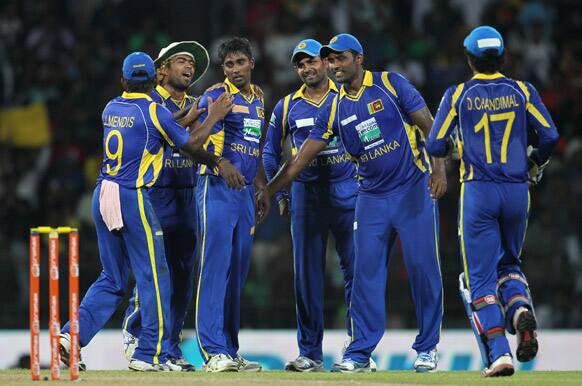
340	43
138	61
308	46
484	38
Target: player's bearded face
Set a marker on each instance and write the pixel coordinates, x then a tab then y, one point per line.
310	70
181	71
237	68
342	65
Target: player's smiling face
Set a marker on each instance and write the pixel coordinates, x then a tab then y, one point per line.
343	65
180	71
310	70
237	68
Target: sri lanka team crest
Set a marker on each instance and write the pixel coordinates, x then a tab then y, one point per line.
260	112
301	45
375	106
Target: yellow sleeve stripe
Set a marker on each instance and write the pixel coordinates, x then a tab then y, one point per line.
523	88
452	112
329	131
387	83
530	107
284	118
154	115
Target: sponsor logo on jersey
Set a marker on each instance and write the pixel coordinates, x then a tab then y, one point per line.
252	129
369	133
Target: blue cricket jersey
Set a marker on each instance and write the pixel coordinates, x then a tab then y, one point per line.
177	171
134	131
237	137
377	133
492	114
294	116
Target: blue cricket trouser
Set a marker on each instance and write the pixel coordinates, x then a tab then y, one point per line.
176	211
227	226
413	215
317	208
492	224
139	247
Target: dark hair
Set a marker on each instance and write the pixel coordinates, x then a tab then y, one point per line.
142	86
490	63
236	44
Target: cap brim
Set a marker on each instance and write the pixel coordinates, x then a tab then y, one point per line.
304	52
198	51
324	51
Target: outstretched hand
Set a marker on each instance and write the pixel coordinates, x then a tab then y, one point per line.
191	115
221	107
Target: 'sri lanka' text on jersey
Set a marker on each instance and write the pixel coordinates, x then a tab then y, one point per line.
491	114
178	171
135	129
377	133
294	116
237	137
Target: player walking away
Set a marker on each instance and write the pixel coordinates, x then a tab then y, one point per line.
380	118
227	217
128	232
323	198
493	114
178	65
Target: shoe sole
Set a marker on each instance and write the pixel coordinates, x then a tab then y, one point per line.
294	369
527	348
142	370
425	370
501	371
258	370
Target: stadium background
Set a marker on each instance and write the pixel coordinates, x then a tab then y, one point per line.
60	63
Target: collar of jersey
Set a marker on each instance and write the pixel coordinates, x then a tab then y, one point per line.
166	95
234	90
367	82
301	93
135	95
497	75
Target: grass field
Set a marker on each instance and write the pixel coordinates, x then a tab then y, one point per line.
450	378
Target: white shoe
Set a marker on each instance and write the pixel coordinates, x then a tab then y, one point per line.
137	365
373	365
170	366
304	365
183	364
247	366
347	341
426	361
130	343
219	363
65	348
350	366
502	367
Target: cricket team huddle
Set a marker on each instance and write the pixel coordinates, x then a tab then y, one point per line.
187	180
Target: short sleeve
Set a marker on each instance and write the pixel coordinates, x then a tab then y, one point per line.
409	97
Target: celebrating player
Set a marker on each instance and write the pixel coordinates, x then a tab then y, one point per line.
179	65
227	217
128	232
323	198
377	117
492	114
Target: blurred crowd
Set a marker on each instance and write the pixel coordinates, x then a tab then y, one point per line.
63	58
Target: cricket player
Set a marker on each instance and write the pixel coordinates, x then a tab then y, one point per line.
128	231
323	198
179	65
227	217
492	114
380	118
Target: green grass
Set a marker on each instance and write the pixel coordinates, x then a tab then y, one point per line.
449	378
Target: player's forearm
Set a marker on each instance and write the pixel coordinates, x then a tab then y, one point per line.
200	134
295	165
438	166
203	157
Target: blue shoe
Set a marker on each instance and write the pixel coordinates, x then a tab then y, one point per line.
426	361
350	366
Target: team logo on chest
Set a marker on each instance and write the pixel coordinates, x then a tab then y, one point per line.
260	112
369	133
375	106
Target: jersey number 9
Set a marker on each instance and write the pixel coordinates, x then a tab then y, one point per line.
114	156
483	123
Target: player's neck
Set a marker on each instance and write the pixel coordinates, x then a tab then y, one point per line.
355	84
246	90
315	93
175	94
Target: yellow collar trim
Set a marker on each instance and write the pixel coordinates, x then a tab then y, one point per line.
135	95
234	90
367	82
163	92
497	75
301	92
